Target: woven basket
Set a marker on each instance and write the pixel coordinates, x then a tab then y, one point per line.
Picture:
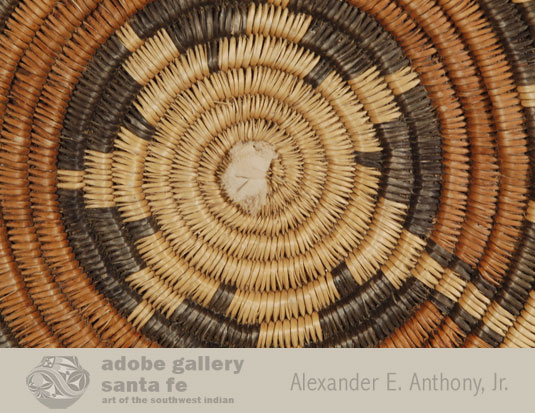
278	173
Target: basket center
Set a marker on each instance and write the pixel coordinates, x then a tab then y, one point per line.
246	178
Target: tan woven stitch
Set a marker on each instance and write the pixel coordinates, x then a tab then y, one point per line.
158	51
70	179
98	181
129	38
372	90
403	259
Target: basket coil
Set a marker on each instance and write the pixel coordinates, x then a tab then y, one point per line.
277	173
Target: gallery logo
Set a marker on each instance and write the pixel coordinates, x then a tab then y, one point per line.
58	382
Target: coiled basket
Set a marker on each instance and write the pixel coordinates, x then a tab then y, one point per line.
279	173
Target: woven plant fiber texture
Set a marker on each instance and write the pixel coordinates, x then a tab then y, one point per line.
267	173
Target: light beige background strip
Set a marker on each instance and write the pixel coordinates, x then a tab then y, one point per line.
265	379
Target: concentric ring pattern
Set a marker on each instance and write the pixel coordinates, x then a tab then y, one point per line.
398	209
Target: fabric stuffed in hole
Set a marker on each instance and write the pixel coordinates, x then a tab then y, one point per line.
245	179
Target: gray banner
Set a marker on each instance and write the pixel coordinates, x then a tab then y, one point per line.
222	380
